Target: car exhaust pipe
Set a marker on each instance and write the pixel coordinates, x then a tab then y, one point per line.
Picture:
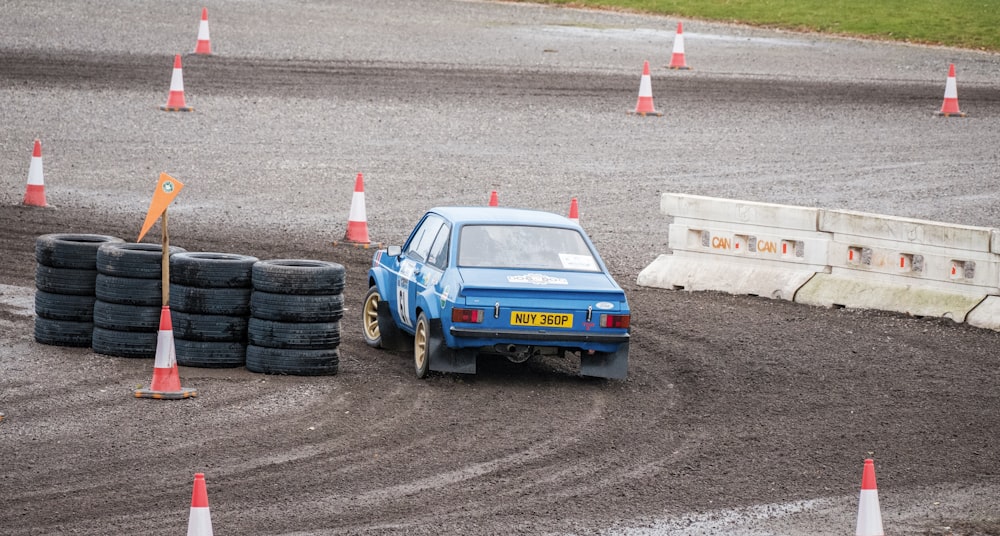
515	353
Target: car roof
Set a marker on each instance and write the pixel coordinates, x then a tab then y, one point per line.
495	215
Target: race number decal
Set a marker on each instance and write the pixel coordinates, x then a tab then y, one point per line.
402	291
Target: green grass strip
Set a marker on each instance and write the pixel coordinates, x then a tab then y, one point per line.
973	24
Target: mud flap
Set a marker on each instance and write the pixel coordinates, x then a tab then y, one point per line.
444	359
611	365
393	338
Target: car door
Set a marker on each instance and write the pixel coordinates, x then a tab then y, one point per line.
423	259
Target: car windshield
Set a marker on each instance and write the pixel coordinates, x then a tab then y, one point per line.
525	247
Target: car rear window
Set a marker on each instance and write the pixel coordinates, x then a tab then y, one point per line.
525	247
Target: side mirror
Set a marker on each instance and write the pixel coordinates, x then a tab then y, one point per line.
394	251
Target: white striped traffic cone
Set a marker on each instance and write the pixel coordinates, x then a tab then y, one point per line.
200	520
574	211
204	45
34	194
357	221
644	106
869	515
166	384
175	101
950	105
677	58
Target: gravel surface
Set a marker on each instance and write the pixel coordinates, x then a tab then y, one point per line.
741	415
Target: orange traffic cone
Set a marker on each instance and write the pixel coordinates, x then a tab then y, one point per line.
204	45
34	194
166	382
574	211
357	220
200	520
950	106
677	58
175	102
869	516
644	106
494	200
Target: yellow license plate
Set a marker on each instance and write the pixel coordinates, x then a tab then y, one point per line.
545	320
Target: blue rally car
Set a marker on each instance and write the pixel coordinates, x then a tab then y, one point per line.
497	281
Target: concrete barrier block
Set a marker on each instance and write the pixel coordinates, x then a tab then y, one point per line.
830	258
849	290
734	211
679	272
906	230
938	255
986	315
935	265
746	241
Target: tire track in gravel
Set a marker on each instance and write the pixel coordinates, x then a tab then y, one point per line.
235	76
549	469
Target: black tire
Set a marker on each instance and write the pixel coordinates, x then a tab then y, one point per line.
209	328
64	306
321	362
210	301
210	354
63	332
135	260
212	270
121	317
124	343
294	335
76	281
295	276
422	346
384	333
297	307
128	290
66	250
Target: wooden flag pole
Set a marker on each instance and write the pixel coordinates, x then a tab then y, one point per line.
166	383
165	262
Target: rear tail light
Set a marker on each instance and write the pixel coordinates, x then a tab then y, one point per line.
474	316
615	321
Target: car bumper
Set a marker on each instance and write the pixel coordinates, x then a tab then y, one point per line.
550	338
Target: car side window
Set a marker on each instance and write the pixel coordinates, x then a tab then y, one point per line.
438	256
419	246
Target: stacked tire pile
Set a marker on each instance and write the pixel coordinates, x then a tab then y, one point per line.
129	293
210	307
295	312
65	282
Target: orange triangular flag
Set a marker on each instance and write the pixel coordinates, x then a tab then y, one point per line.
166	191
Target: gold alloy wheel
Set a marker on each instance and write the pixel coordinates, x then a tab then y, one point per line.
370	318
420	346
